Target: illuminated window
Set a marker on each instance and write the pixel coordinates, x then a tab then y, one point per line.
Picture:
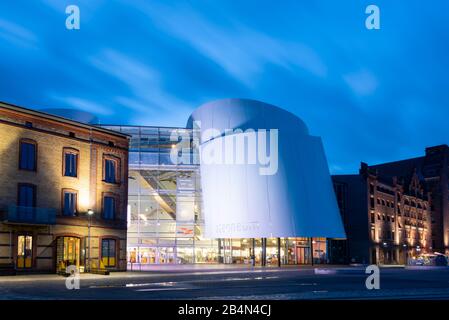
28	155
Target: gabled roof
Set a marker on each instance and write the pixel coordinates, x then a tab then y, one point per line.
48	116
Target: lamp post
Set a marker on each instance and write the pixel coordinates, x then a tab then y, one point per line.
90	213
405	253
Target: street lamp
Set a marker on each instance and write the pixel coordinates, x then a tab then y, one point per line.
90	213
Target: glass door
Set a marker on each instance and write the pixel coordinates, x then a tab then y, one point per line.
166	255
67	252
72	251
302	255
24	252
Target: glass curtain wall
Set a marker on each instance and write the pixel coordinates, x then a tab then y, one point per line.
164	202
165	221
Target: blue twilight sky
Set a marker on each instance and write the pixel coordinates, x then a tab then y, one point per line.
372	95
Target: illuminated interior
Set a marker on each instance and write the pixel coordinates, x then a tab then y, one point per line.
165	221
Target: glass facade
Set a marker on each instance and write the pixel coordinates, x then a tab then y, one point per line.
165	221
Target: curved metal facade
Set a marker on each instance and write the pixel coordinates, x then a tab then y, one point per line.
282	189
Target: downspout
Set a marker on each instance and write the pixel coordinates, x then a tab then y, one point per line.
10	247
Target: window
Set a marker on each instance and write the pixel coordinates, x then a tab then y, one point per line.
108	252
27	155
70	162
26	195
109	207
70	203
110	170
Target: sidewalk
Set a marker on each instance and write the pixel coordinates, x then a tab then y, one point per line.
207	267
161	270
201	269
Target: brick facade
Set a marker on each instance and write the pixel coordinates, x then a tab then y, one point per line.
52	136
393	212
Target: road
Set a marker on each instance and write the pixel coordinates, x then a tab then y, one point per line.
233	283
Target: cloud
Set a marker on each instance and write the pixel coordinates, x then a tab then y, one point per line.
17	34
82	104
143	82
361	82
135	75
238	49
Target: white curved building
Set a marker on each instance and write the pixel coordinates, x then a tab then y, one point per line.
271	203
262	174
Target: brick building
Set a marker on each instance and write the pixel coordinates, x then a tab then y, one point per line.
433	170
397	210
387	218
53	172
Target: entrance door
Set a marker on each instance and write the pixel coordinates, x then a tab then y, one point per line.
24	252
303	255
68	252
166	255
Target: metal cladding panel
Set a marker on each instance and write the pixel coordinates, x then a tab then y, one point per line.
239	202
